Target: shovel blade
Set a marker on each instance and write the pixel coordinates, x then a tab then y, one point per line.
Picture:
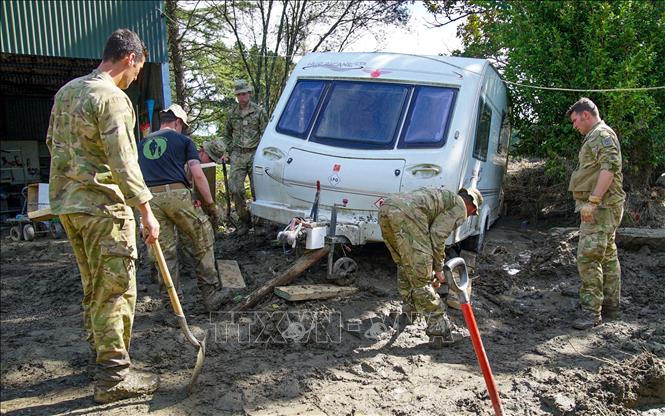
200	358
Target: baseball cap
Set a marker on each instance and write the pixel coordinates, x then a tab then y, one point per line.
178	112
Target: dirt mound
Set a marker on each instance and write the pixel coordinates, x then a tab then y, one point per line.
537	196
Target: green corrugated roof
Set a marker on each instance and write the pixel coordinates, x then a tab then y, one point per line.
79	28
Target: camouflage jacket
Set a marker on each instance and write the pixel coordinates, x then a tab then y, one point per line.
244	129
433	212
600	151
94	161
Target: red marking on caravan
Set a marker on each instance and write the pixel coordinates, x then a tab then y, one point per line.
337	167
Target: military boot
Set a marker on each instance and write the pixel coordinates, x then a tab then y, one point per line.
409	313
214	298
243	228
133	385
611	312
443	333
586	320
168	318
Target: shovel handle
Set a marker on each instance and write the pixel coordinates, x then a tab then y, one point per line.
463	285
481	355
166	276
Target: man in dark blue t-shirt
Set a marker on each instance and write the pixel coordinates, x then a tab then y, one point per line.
162	157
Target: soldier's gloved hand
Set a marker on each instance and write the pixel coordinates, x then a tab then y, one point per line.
213	213
587	211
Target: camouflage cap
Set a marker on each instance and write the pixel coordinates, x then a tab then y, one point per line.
178	112
475	195
215	149
240	86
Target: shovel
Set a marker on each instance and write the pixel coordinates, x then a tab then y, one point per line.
227	194
177	309
463	289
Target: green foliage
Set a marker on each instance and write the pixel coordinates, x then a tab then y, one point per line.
582	45
260	40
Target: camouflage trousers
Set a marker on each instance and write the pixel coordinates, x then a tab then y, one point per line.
241	167
414	274
105	250
177	215
597	260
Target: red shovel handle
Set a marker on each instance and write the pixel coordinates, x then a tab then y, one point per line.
482	358
470	320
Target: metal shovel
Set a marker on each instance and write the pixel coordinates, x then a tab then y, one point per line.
462	288
177	309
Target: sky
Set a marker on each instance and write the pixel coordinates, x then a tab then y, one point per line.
416	38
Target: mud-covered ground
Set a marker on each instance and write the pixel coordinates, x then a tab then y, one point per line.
343	356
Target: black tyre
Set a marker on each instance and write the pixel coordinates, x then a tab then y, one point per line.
56	230
15	233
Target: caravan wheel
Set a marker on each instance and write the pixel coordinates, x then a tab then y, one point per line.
476	243
28	232
15	233
56	230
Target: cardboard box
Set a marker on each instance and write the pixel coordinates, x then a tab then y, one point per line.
38	197
210	170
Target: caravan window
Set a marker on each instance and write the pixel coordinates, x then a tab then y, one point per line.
428	118
504	136
302	104
360	115
482	130
368	115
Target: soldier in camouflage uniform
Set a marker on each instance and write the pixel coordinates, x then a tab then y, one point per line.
209	151
596	185
244	127
94	180
163	156
415	227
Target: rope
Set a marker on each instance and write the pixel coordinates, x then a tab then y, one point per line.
517	84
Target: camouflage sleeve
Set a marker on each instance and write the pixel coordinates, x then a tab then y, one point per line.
608	154
263	121
227	137
441	228
49	132
116	129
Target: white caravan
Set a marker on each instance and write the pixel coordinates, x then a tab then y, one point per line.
366	125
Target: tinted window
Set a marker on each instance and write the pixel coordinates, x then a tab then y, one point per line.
427	121
361	115
300	108
482	131
504	136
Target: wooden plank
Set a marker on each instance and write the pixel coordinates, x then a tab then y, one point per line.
229	274
41	214
305	292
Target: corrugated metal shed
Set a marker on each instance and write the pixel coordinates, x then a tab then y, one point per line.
79	28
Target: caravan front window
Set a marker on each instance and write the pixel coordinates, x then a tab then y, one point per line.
427	121
297	116
368	115
361	115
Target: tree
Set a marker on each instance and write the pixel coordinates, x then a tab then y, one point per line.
260	40
579	45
